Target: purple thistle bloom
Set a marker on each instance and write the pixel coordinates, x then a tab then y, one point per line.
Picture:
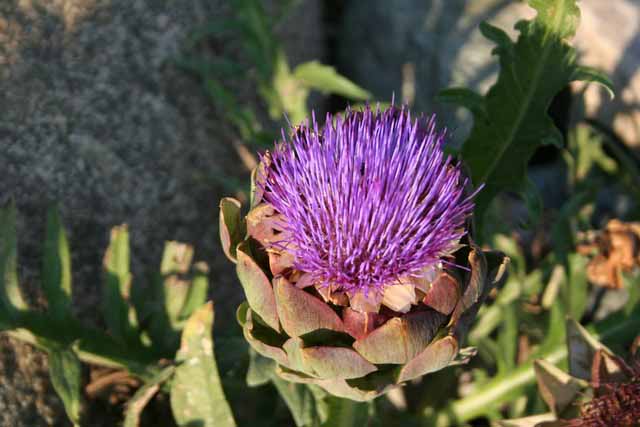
367	199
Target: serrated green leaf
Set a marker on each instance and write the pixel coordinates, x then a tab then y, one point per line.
56	270
326	79
496	35
532	71
10	296
118	313
197	397
141	398
65	373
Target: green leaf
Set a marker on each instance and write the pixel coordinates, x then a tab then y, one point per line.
170	294
589	74
261	369
514	121
555	332
506	388
579	286
56	270
326	79
629	165
346	413
197	293
508	339
141	398
118	313
286	93
533	421
65	373
574	287
498	36
533	201
197	398
632	284
377	105
586	148
10	296
466	98
212	29
301	402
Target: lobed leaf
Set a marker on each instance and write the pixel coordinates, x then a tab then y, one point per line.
511	120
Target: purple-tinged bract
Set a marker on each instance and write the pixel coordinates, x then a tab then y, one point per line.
367	199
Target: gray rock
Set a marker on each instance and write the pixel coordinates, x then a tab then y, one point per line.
609	39
415	48
94	116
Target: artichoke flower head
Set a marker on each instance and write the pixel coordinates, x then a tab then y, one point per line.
355	255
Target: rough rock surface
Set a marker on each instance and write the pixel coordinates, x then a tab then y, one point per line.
94	116
417	48
609	39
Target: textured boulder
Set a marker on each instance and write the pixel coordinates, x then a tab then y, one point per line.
609	39
95	117
417	48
